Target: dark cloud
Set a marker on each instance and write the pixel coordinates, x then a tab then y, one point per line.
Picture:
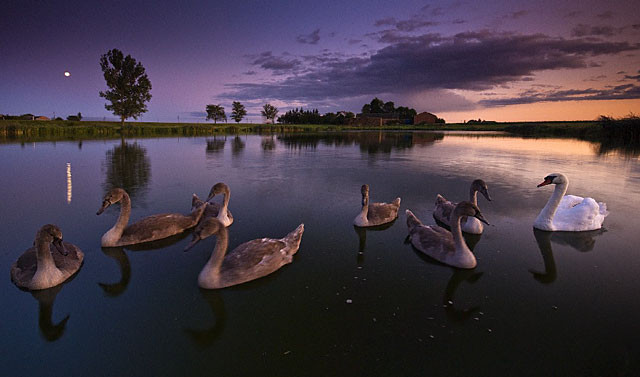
197	114
354	41
250	73
595	78
276	64
635	77
628	91
518	14
583	30
470	61
572	14
409	25
437	11
636	26
311	39
458	21
605	15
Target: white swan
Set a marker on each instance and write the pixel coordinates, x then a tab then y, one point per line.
40	267
442	245
444	208
249	261
569	213
375	213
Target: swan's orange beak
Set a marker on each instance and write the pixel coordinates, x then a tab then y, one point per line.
546	182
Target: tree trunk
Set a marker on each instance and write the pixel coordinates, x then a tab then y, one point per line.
122	121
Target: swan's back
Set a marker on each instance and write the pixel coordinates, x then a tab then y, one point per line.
443	209
23	270
159	226
381	213
575	214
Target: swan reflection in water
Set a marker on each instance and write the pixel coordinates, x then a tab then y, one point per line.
581	241
362	237
471	276
204	338
118	254
46	297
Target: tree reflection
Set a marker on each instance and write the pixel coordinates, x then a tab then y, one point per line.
216	144
237	146
127	167
369	142
268	143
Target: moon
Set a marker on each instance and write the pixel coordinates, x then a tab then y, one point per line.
67	74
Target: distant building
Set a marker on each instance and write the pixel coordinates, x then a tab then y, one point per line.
42	117
375	119
425	117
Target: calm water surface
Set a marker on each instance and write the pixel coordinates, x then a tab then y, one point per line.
352	302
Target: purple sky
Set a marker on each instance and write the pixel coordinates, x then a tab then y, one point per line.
502	60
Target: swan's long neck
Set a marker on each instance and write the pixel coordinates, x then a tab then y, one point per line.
113	235
43	252
365	206
222	214
458	240
473	196
211	270
549	210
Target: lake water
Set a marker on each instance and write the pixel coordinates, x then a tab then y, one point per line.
352	303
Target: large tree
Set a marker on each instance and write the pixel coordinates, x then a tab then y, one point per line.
270	112
129	86
216	112
238	112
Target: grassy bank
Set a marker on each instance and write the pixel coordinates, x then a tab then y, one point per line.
605	130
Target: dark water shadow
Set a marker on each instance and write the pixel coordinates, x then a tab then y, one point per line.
121	258
203	338
458	276
237	145
362	237
580	241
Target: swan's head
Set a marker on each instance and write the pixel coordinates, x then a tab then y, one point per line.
469	209
481	187
218	188
112	197
365	193
206	228
52	234
555	179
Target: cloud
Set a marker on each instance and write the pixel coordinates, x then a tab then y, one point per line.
250	73
583	30
636	77
518	14
311	39
628	91
605	15
468	61
278	65
458	21
572	14
409	25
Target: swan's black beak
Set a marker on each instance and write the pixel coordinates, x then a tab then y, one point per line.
479	216
105	204
485	193
59	246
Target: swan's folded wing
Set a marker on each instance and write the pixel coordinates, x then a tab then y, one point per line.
253	253
432	240
146	228
569	201
381	212
443	209
579	217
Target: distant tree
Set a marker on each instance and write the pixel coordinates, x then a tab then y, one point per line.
129	86
270	112
377	105
238	111
79	115
389	107
216	112
366	109
73	117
